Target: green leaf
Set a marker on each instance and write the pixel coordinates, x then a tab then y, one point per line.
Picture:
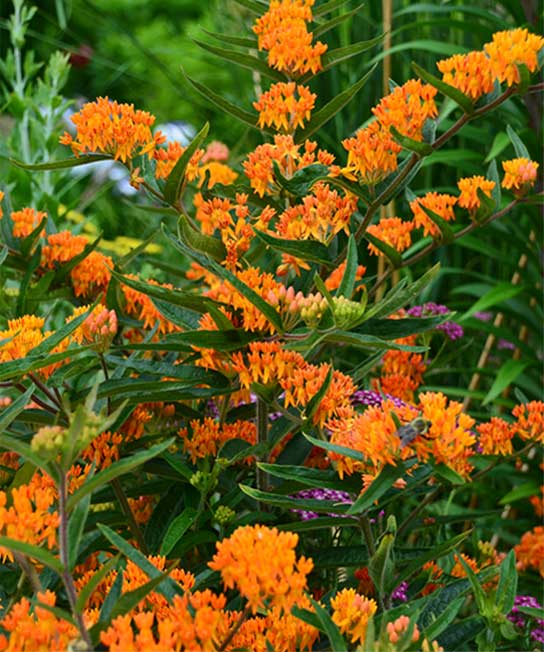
447	235
325	27
479	594
338	556
312	250
377	488
508	583
387	250
519	147
449	91
60	165
307	476
396	328
532	611
421	148
314	505
255	64
168	590
348	186
177	529
338	644
332	57
498	294
381	565
323	115
62	272
520	492
334	448
242	41
444	619
7	415
500	142
347	284
300	184
362	341
76	526
201	242
524	78
506	375
31	240
493	175
95	580
176	178
327	7
447	474
34	552
15	445
127	601
121	467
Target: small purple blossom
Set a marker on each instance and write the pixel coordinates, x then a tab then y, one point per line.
368	397
521	620
505	345
538	635
452	330
321	494
483	315
400	593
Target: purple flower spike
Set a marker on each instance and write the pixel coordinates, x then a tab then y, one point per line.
321	494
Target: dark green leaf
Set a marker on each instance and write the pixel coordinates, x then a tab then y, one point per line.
387	250
338	644
506	375
352	262
34	552
314	505
300	184
447	474
377	488
361	341
520	492
333	57
421	148
176	178
242	41
443	619
325	27
334	448
304	475
508	584
449	91
76	526
496	295
95	580
447	235
7	415
201	242
305	249
519	147
59	165
177	529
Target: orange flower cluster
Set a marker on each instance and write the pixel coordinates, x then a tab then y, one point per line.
530	420
495	437
61	248
394	232
401	372
469	187
29	517
470	73
37	630
398	628
280	582
407	108
104	449
511	48
519	175
141	306
21	336
351	612
26	220
285	106
322	215
372	154
440	204
282	32
167	157
276	631
112	128
332	282
209	435
259	167
530	550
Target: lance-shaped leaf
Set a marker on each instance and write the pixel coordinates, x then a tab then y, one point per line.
95	580
419	147
335	448
34	552
256	6
312	250
67	267
327	7
449	91
325	27
493	175
396	328
28	243
201	242
377	488
447	235
309	477
519	146
300	184
225	105
337	641
486	207
387	250
60	165
176	178
347	284
381	565
242	41
76	526
506	375
249	61
308	504
362	341
508	584
333	57
7	415
319	118
443	620
177	529
348	186
524	78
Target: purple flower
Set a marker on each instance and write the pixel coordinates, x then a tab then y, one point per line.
520	619
450	328
400	593
483	315
505	345
538	635
321	494
368	397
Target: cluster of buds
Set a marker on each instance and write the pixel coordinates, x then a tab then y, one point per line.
48	442
399	628
224	514
346	312
312	308
100	328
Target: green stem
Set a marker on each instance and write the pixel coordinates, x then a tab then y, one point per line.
262	438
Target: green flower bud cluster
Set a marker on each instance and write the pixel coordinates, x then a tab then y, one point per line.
91	429
346	311
48	442
224	514
312	308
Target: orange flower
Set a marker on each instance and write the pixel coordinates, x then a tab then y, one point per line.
104	449
332	282
209	435
495	437
459	570
520	175
92	275
285	106
401	372
216	172
21	336
537	501
167	157
469	187
26	220
267	363
407	107
394	232
530	550
62	247
280	582
37	631
530	420
351	612
141	306
283	34
372	154
442	205
470	73
112	128
510	48
99	328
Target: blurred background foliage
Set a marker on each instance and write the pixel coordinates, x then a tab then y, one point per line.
133	50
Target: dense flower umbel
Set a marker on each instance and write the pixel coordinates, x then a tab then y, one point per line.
285	106
470	73
112	128
495	437
26	220
519	175
209	435
282	32
440	204
141	306
510	48
530	420
401	372
21	336
394	232
280	582
372	154
530	550
352	612
469	191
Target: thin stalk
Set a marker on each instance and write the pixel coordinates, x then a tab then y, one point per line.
262	438
243	616
28	570
127	511
36	399
50	395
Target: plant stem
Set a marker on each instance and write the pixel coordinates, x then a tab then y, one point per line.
245	613
28	570
127	511
65	560
262	438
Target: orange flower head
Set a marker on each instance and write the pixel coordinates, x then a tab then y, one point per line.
495	437
167	157
372	154
108	127
20	337
280	582
519	175
440	204
394	232
470	73
530	550
407	108
469	187
530	420
282	32
208	436
141	306
510	48
401	372
351	612
332	282
285	106
62	247
99	328
26	220
92	275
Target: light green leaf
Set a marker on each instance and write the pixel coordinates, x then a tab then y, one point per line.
34	552
506	375
176	178
60	165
